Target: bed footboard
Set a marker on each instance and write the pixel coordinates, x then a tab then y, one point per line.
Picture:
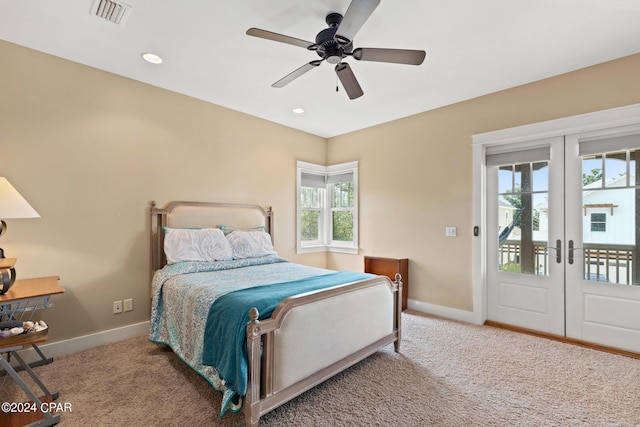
350	322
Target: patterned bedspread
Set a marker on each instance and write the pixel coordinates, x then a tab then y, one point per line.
183	293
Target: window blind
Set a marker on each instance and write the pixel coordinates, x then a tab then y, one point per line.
608	145
312	180
537	154
342	177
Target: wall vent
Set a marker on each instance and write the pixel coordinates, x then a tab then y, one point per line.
111	11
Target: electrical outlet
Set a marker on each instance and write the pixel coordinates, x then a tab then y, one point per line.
128	304
117	307
450	231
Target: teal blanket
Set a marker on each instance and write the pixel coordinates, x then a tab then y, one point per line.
225	331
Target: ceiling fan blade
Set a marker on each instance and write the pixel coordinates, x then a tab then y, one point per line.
297	73
397	56
354	18
264	34
348	80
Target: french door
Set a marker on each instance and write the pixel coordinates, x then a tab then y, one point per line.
525	211
564	213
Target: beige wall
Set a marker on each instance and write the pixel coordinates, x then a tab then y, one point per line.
89	150
416	173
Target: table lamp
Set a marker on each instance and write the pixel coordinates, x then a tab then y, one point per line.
12	206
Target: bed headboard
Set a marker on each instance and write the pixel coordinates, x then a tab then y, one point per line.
179	214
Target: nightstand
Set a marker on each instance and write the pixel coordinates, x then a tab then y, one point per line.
25	297
389	267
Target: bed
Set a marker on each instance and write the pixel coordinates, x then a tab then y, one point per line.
249	321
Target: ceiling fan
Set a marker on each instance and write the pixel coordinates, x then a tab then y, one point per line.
335	43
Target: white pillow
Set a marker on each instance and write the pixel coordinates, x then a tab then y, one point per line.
205	244
250	243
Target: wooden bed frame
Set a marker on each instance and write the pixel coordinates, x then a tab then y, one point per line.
349	322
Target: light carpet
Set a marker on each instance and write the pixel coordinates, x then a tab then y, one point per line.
447	374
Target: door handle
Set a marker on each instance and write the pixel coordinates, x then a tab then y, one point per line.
558	250
571	249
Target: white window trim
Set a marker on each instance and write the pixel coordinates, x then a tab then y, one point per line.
326	245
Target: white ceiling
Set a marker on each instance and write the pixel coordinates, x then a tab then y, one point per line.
473	48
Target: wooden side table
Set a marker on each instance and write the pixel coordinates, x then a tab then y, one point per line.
25	297
389	267
32	288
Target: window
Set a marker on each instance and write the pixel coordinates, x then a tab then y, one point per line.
598	222
327	207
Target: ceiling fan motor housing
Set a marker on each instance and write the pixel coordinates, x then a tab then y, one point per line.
327	46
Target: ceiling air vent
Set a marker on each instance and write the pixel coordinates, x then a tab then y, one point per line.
111	11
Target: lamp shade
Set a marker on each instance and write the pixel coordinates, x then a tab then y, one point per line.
12	204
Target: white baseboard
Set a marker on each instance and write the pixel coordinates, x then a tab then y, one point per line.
85	342
446	312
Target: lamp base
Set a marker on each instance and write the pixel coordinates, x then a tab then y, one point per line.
3	228
8	278
6	266
7	273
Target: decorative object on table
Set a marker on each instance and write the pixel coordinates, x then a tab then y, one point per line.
12	206
16	331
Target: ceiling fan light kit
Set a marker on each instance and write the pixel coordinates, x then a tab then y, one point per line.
335	43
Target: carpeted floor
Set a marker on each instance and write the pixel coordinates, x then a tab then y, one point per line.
447	374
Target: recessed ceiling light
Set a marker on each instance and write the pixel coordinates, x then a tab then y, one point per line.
298	110
152	58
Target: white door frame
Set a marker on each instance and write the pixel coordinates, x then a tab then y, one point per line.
590	122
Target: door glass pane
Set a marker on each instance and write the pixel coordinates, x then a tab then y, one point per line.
523	218
615	169
609	217
540	177
592	171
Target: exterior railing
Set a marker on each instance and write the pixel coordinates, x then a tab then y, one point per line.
609	263
602	262
509	257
